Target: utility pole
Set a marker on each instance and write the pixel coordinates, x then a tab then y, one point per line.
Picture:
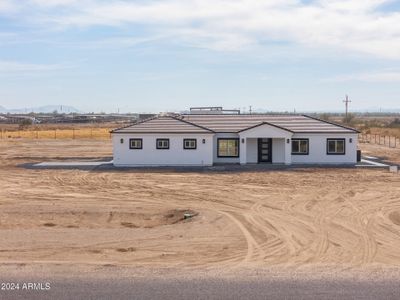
250	109
346	102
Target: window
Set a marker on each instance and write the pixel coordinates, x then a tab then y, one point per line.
228	147
300	146
335	146
189	144
162	144
135	143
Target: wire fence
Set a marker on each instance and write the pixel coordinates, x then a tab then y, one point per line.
384	140
81	133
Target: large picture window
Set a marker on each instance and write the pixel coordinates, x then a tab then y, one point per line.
335	146
300	146
162	143
228	147
135	144
189	144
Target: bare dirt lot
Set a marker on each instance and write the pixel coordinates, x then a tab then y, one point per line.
346	217
384	152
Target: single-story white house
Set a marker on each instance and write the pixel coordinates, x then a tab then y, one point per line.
208	139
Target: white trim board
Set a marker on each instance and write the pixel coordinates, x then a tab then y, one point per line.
371	163
72	163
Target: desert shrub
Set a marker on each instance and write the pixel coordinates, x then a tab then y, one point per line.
350	119
324	116
395	123
25	123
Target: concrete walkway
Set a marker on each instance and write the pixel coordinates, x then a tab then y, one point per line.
72	163
366	162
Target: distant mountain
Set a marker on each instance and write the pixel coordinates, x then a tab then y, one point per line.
41	109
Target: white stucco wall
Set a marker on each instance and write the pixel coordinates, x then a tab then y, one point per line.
317	149
265	131
252	150
206	154
280	150
174	156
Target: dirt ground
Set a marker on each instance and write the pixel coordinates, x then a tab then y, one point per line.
342	217
384	152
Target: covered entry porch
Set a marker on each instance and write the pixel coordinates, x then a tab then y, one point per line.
265	143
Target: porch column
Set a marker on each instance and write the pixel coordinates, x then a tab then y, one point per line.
243	150
288	151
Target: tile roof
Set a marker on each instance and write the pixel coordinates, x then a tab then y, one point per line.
163	124
293	123
206	123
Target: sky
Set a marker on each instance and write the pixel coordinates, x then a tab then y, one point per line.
169	55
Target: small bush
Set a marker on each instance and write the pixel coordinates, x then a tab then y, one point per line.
349	120
395	123
25	123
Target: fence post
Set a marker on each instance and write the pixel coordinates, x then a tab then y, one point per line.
55	133
73	133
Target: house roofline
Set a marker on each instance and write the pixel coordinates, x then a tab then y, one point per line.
325	132
265	123
332	123
159	117
191	123
137	123
163	132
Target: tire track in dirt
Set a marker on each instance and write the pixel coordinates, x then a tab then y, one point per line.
251	243
316	216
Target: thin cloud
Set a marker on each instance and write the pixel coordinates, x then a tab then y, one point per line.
356	26
373	76
7	67
7	6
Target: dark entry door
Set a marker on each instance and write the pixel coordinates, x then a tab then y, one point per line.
265	150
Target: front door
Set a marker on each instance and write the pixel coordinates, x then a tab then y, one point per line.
265	150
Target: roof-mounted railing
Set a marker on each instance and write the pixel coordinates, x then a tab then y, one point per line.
213	110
